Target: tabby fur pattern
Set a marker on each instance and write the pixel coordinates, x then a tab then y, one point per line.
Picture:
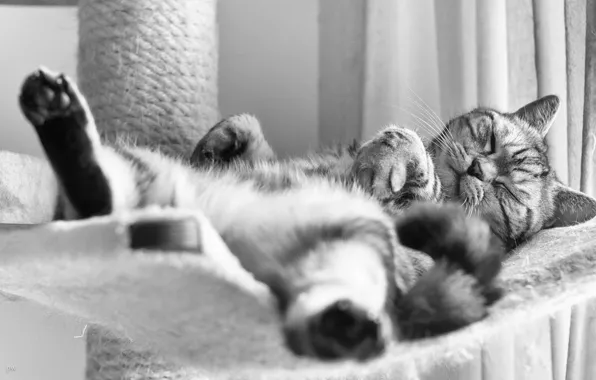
353	261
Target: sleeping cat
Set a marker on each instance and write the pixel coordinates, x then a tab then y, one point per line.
494	164
330	254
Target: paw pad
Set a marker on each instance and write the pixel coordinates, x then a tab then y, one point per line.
46	95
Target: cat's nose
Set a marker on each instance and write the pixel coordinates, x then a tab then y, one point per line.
475	170
345	330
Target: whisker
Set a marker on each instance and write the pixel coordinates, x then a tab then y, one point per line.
438	136
433	115
431	127
423	124
426	120
427	109
443	132
442	139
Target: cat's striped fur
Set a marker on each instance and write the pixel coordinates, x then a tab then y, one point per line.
494	164
497	165
328	250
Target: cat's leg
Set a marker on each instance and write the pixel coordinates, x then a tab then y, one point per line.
458	287
462	283
66	129
327	256
294	241
395	167
238	137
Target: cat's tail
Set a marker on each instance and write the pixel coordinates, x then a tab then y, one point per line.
458	289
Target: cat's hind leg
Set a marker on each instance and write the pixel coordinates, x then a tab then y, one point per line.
238	137
94	179
462	284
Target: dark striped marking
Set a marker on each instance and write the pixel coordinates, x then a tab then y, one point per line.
144	176
505	220
471	128
420	184
395	133
353	148
529	222
514	155
437	186
530	172
273	181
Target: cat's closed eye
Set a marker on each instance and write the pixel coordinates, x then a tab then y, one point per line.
491	143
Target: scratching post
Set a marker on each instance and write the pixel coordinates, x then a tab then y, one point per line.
149	69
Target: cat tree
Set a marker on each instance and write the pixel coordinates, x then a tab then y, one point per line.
149	68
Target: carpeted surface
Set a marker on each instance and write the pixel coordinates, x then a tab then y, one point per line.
210	319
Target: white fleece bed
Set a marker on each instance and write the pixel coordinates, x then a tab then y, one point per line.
210	320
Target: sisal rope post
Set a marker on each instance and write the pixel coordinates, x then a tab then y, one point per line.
149	69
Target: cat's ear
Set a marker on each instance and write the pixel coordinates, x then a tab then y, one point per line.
540	113
572	207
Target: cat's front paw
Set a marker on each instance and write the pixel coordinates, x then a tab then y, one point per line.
238	137
395	168
46	95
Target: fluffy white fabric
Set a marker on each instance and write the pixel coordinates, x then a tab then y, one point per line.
22	199
167	300
201	316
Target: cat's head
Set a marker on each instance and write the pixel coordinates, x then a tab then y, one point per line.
496	164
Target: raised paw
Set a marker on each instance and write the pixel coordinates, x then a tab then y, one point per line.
395	168
238	137
462	284
66	131
46	95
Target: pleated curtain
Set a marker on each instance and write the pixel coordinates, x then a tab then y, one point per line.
414	62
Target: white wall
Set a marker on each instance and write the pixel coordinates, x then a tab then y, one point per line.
268	66
30	37
33	343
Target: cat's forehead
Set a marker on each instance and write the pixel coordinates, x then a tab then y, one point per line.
481	118
480	122
475	123
478	116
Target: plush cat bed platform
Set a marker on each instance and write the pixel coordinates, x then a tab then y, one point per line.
179	315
